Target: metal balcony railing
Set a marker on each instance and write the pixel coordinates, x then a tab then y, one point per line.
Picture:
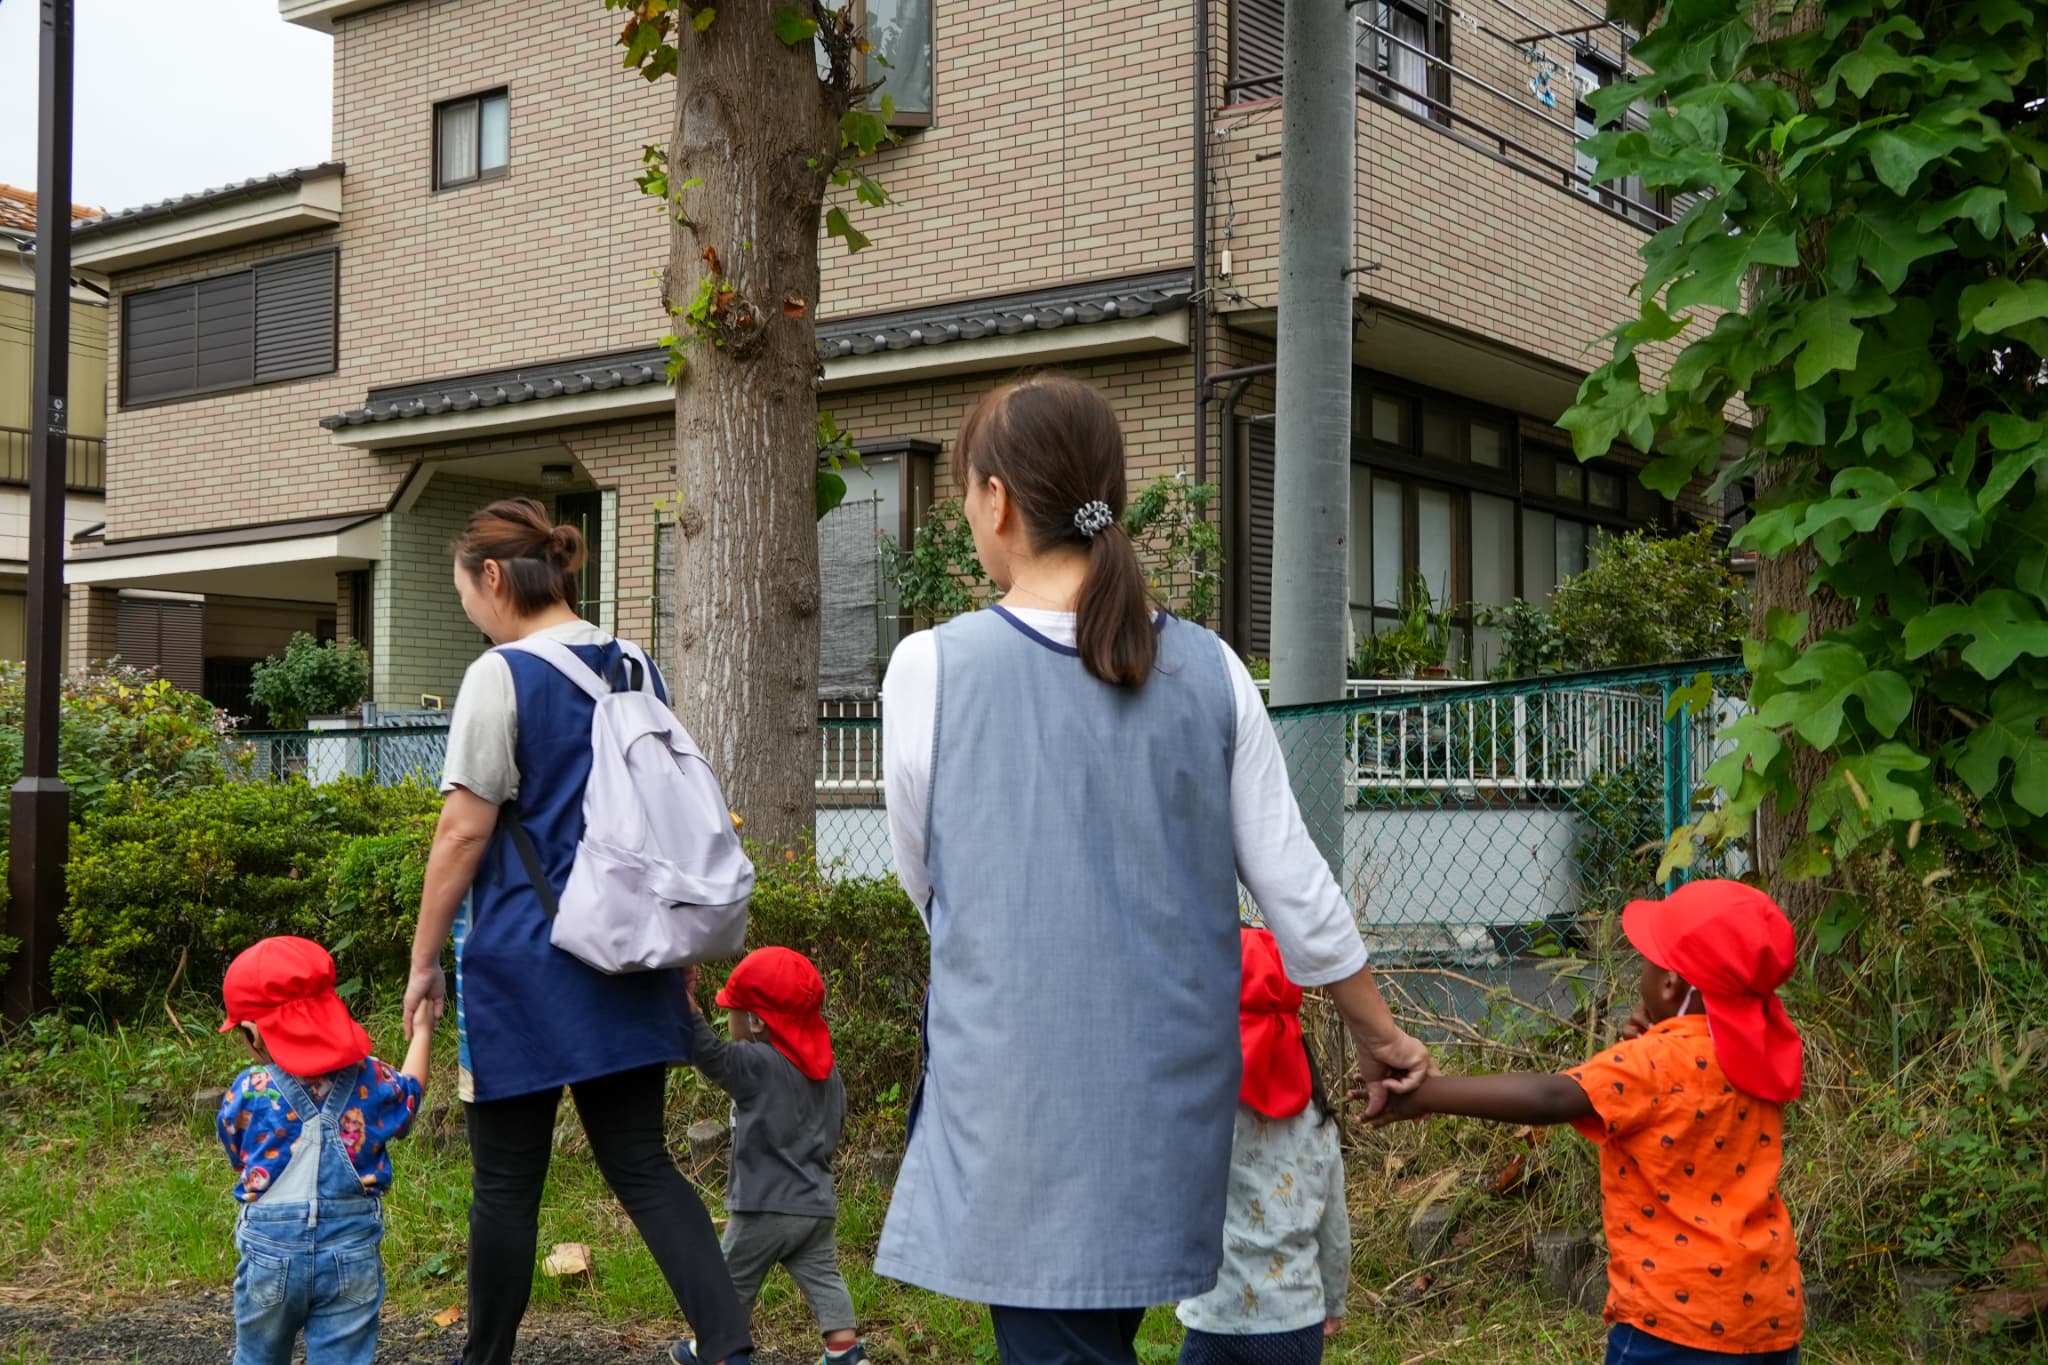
85	460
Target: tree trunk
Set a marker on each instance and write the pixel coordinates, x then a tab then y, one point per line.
755	134
1782	584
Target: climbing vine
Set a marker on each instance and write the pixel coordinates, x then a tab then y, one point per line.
1864	273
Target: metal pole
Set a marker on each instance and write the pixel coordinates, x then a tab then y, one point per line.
1312	433
1312	430
40	801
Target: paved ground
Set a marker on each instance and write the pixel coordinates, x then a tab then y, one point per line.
200	1331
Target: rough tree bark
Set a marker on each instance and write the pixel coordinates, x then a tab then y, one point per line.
755	136
1782	584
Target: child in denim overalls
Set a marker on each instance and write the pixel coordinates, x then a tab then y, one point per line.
306	1130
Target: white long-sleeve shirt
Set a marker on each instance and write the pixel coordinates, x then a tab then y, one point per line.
1276	859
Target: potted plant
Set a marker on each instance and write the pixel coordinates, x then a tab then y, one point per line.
319	687
1417	644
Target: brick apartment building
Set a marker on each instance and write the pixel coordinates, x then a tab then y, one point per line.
316	375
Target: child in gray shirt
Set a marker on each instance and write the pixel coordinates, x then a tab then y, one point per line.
789	1106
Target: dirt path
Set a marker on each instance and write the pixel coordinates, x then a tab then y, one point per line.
200	1331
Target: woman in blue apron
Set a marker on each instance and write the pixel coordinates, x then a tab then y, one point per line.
1076	784
531	1018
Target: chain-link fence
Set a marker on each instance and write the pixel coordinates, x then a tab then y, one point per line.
387	756
1470	825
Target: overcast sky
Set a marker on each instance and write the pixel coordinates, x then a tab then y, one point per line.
172	96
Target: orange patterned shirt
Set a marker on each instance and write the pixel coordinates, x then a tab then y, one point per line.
1699	1245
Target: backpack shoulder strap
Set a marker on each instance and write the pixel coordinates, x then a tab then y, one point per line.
564	661
529	856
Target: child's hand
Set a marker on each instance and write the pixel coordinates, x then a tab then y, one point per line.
1638	1022
1399	1108
1332	1326
423	1016
690	988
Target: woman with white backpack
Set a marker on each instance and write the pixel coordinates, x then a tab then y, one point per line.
533	1018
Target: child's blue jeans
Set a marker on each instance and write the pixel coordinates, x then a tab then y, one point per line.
324	1278
1628	1345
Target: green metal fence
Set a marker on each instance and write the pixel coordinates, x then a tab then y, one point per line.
1469	824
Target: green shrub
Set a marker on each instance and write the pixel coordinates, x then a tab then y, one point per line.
118	726
1648	599
197	876
872	951
311	679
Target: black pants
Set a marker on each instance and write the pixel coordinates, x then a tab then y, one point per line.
510	1142
1067	1336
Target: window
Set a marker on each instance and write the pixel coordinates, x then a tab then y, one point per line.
899	62
273	322
1626	196
585	511
1396	40
472	139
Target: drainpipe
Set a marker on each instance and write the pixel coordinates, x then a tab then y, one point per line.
1198	325
1239	380
1233	539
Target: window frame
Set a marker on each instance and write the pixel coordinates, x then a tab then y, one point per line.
128	404
1406	465
1646	206
903	120
483	175
1376	80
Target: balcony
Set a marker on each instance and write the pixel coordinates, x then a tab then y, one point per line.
85	461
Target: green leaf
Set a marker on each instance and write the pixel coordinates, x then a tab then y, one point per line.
2002	625
2001	305
1898	155
2010	734
2007	471
1992	16
703	18
1828	338
1886	237
837	224
1827	675
831	491
1720	264
1844	915
1980	204
794	27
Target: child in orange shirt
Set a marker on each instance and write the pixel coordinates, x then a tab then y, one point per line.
1689	1111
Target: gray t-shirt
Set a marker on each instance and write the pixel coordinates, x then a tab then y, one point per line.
786	1127
483	734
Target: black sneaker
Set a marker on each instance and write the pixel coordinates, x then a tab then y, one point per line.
854	1355
683	1352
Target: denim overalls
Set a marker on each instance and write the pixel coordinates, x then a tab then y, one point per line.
310	1249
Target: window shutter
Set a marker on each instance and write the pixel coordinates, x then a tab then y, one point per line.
156	343
1257	44
295	317
850	600
166	636
225	347
1258	631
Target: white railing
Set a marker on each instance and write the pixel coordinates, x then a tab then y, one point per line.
1511	743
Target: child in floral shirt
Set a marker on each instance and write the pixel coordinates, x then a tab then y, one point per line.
306	1130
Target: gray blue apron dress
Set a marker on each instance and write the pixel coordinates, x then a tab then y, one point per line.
1070	1142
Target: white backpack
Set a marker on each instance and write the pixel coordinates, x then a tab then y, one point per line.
660	877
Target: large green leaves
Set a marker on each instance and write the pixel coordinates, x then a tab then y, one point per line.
1873	249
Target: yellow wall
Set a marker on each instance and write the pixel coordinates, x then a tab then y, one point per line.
88	362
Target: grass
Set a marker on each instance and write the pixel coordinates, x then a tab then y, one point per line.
108	1199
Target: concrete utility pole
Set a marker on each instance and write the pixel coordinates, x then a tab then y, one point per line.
1312	433
40	808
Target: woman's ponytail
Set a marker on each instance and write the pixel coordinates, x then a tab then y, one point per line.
1113	618
1056	446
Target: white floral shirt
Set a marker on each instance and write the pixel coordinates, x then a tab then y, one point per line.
1286	1233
